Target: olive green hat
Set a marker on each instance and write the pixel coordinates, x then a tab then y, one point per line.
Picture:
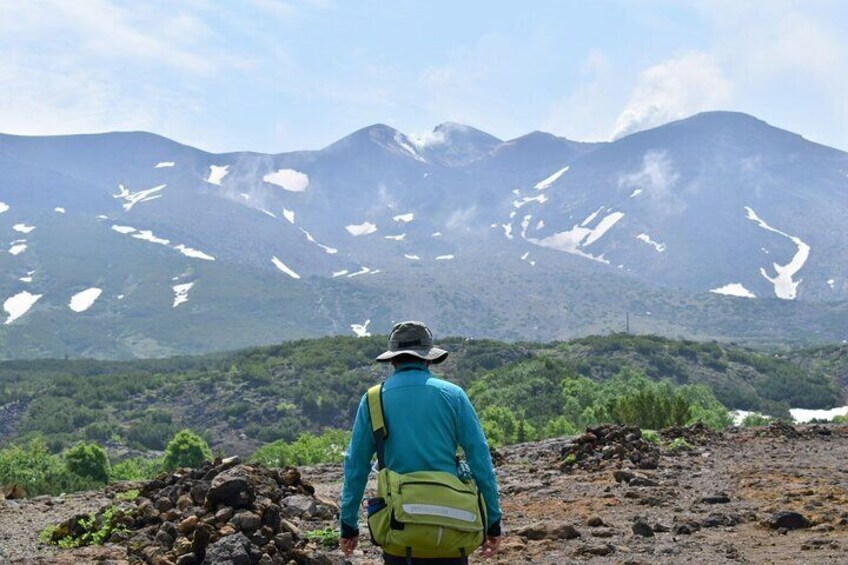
412	338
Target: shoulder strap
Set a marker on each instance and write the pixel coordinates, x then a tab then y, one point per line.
378	422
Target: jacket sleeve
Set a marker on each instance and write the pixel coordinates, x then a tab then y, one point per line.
473	442
357	465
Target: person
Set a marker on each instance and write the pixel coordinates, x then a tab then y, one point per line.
428	418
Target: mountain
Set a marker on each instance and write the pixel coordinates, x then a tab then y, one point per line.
125	245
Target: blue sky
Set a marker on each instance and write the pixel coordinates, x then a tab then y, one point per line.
272	76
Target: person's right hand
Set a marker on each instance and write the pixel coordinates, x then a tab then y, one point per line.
491	547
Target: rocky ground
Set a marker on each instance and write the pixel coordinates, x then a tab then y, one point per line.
768	495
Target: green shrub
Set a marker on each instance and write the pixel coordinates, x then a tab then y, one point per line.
136	469
756	419
38	471
88	460
308	449
186	449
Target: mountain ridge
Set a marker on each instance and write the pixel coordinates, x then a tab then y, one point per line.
655	224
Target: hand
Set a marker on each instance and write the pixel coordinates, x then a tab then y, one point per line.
491	547
348	545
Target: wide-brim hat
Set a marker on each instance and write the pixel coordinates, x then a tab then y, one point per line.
412	338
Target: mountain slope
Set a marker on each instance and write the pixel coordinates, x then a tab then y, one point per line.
538	237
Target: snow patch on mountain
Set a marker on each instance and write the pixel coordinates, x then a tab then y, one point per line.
831	283
362	271
82	301
28	277
660	247
23	228
525	223
288	179
541	199
571	241
17	248
636	193
268	213
3	207
337	274
408	145
445	258
361	330
545	183
193	253
412	257
436	234
400	237
147	235
603	227
405	218
329	250
361	229
507	228
289	215
785	286
181	293
59	210
284	268
591	217
734	289
19	304
163	164
217	174
804	415
526	258
133	198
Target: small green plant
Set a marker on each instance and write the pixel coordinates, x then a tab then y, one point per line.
128	496
679	444
651	436
328	537
570	459
94	529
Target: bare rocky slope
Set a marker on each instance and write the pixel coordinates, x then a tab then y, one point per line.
763	495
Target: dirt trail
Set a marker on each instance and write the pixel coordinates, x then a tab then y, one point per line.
708	505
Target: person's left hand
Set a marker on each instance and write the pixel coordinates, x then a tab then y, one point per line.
348	545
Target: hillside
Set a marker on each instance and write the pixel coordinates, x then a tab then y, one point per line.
243	399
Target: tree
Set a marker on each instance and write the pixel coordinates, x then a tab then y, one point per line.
88	460
186	449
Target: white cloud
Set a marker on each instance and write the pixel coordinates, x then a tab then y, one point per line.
586	114
674	89
657	179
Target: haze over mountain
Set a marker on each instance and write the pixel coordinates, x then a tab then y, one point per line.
130	244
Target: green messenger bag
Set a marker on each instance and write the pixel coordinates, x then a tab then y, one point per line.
424	513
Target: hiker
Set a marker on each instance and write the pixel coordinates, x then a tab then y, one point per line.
414	422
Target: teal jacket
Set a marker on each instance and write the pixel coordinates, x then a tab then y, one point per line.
427	419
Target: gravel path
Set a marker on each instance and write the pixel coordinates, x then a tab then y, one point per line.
708	505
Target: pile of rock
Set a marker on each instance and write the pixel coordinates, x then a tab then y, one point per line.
609	445
224	512
695	434
777	429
